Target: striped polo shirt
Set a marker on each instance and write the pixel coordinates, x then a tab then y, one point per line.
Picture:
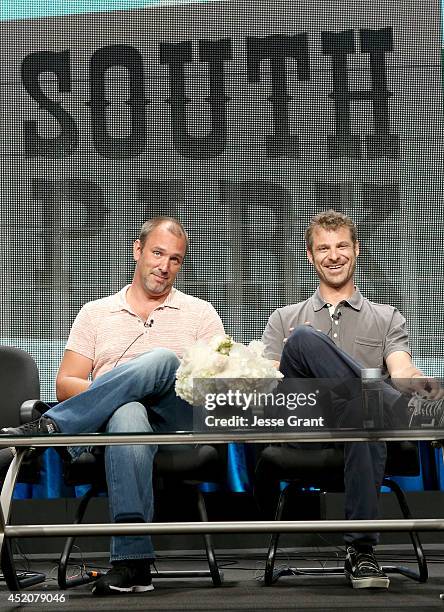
109	332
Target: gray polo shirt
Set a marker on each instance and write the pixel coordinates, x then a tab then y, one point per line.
367	331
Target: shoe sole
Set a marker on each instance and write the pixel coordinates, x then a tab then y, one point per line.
136	588
369	583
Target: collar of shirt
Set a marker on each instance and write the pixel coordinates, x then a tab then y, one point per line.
355	301
173	300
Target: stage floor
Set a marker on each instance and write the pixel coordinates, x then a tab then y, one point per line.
243	588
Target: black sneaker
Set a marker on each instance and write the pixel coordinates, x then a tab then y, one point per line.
43	425
426	413
125	577
363	570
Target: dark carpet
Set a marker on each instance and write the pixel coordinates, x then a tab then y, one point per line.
243	588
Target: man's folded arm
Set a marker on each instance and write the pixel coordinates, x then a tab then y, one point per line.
72	377
408	378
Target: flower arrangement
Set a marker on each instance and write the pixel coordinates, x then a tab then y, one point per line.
224	363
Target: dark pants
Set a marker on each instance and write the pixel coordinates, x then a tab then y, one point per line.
312	354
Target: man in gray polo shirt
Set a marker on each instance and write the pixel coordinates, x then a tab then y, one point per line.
334	334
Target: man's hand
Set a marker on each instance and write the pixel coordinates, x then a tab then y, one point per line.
292	329
289	334
426	387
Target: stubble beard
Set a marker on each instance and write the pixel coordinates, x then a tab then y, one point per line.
155	288
337	283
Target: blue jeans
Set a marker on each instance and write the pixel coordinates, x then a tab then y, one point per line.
309	353
137	396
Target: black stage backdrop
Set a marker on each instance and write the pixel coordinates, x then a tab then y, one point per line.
242	119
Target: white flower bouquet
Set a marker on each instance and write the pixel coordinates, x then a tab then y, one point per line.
224	363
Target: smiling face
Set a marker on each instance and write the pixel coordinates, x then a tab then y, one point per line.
158	261
333	255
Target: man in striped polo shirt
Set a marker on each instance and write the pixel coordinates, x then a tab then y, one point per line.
117	375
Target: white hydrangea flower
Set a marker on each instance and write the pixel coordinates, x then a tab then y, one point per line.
220	361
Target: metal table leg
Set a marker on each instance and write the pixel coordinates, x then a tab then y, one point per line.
7	559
